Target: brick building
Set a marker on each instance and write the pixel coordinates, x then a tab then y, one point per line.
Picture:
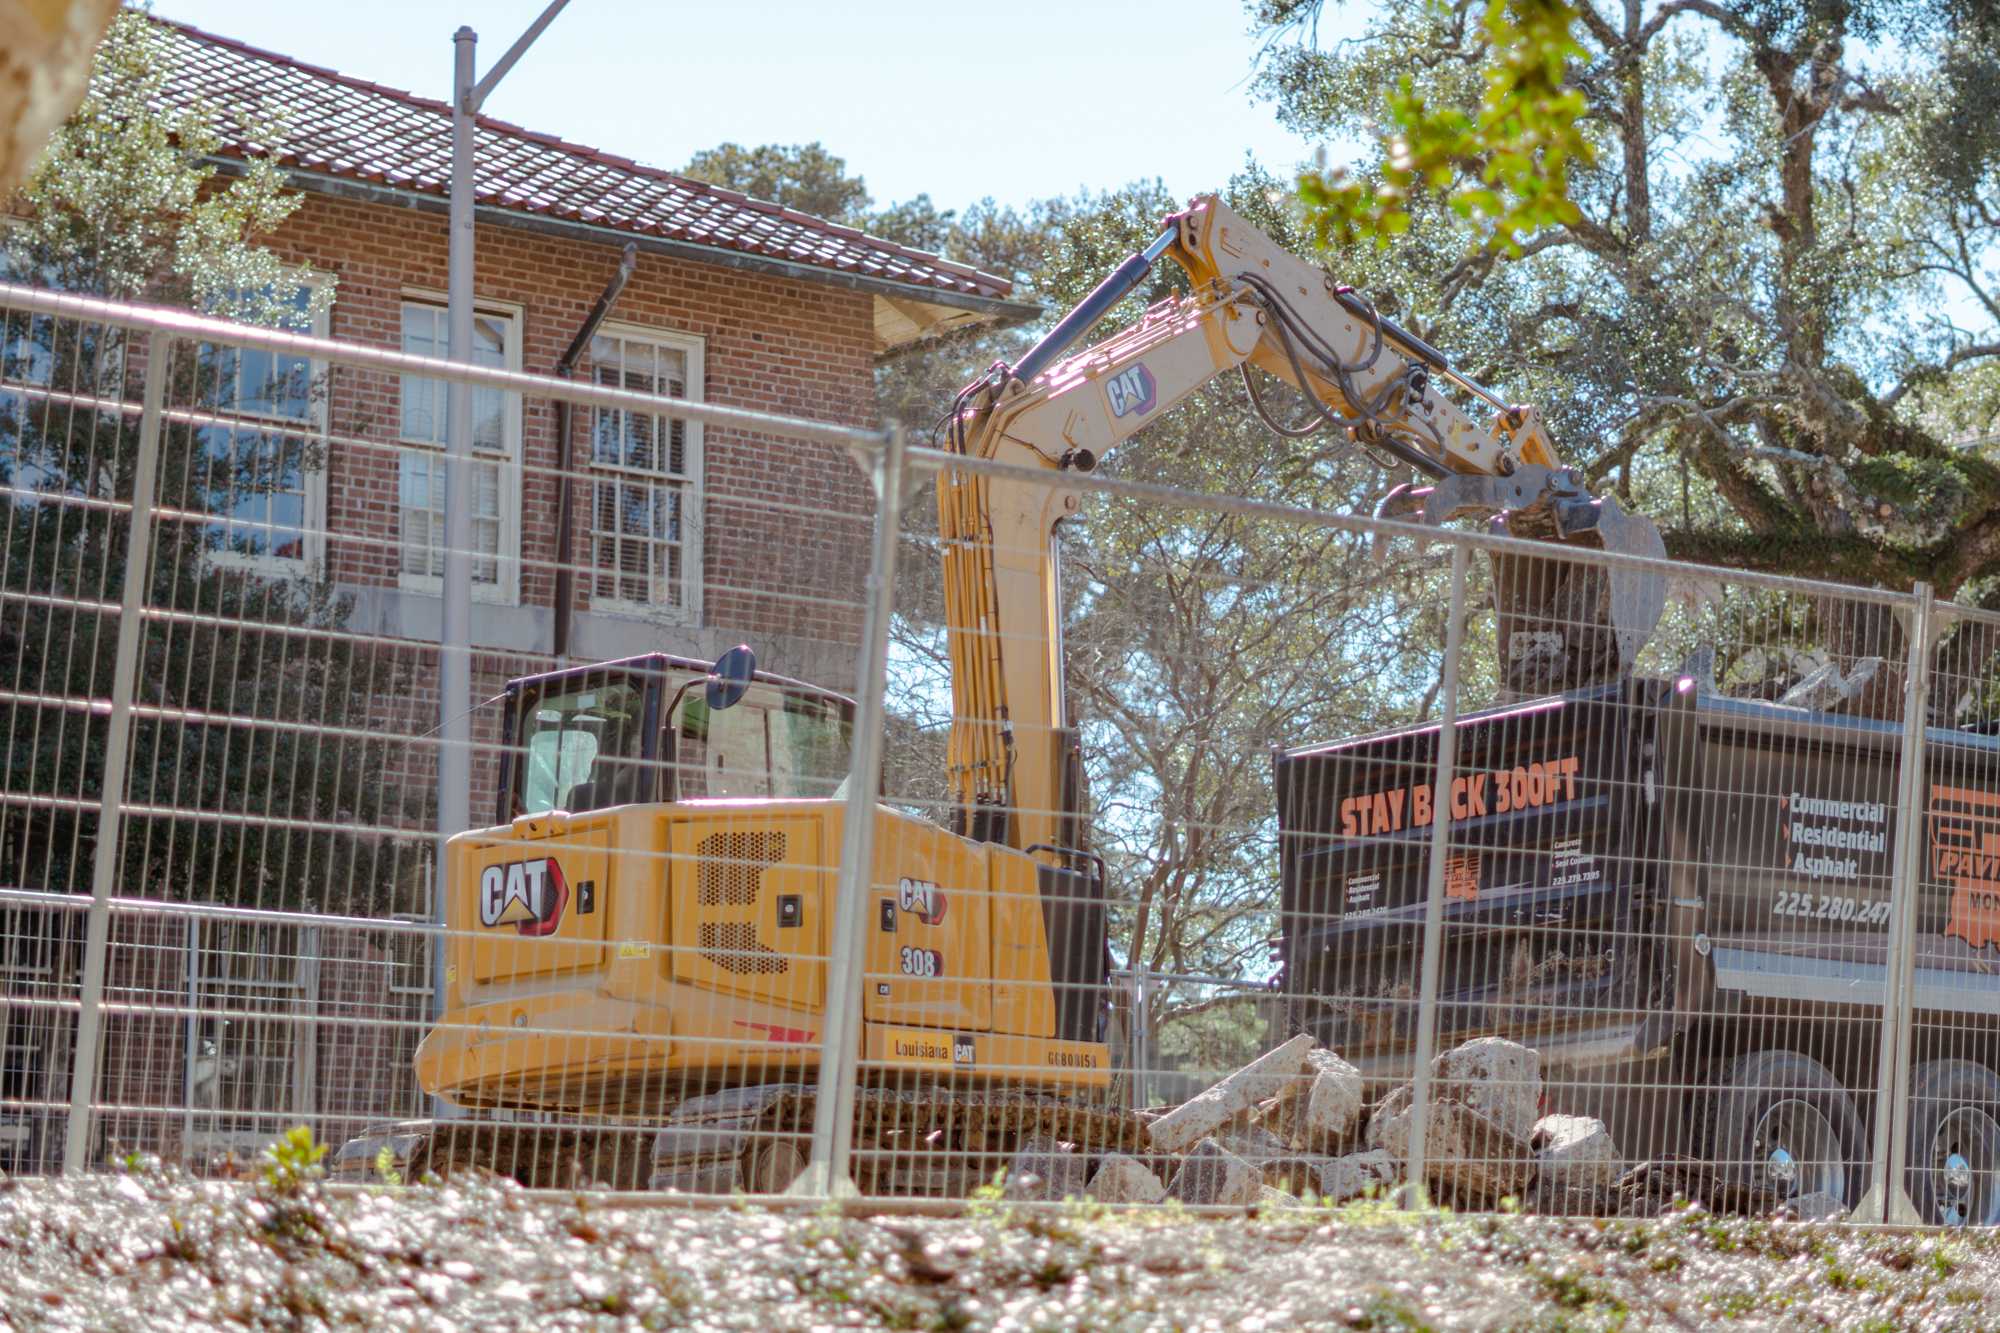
685	540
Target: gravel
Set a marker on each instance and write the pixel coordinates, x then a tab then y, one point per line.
152	1249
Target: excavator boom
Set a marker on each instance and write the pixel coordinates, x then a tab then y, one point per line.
1252	304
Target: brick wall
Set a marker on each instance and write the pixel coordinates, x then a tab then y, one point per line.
781	551
782	526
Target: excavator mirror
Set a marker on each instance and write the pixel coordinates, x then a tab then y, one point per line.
729	679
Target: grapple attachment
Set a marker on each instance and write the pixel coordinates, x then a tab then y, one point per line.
1563	622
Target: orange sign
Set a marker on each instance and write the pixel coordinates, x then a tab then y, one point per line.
1461	877
1523	787
1965	853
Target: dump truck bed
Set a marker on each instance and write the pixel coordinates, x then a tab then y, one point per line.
1626	864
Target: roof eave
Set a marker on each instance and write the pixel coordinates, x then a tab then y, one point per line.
956	311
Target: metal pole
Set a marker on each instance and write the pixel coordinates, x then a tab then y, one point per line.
829	1172
454	766
521	44
1887	1199
117	758
1142	1038
1427	991
454	762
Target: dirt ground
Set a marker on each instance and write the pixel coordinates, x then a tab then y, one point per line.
151	1249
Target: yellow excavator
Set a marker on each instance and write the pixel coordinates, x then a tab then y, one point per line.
639	943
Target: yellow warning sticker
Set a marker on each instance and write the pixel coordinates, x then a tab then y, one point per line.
634	949
912	1046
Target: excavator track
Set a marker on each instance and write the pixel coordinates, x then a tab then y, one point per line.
931	1139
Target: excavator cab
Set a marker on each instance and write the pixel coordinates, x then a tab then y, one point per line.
660	728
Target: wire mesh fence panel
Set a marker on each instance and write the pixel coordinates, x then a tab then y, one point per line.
1949	1129
278	944
1148	833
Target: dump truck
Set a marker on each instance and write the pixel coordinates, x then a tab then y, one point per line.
1661	887
689	993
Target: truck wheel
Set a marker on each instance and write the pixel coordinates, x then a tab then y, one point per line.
1780	1120
1954	1145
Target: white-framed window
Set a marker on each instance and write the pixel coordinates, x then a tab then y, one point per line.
261	429
644	547
496	449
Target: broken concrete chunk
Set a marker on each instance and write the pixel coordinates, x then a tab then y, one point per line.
1467	1154
1332	1107
1253	1142
1277	1198
1500	1079
1122	1179
1207	1112
1389	1121
1576	1153
1213	1174
1045	1169
1356	1175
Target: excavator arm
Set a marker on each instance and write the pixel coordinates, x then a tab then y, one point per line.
1013	757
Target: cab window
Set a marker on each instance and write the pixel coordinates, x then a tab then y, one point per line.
582	746
774	744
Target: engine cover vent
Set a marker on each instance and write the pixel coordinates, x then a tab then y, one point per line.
733	864
733	946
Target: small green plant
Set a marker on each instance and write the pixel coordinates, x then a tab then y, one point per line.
293	1161
986	1203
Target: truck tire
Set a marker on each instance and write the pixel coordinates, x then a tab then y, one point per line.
1954	1144
1781	1120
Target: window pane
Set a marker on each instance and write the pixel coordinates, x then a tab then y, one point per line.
288	523
420	500
636	512
423	406
426	407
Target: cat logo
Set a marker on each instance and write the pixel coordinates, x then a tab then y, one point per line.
1132	390
527	895
921	897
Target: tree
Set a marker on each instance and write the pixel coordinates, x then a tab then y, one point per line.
1772	322
801	176
1502	166
247	780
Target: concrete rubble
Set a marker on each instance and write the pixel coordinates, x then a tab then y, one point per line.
1499	1079
1576	1152
1296	1121
1357	1175
1211	1174
1266	1076
1122	1179
1045	1170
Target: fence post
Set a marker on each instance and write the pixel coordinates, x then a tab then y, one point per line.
117	757
1887	1199
829	1173
1142	1035
1427	992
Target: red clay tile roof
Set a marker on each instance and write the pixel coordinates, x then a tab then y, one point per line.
347	127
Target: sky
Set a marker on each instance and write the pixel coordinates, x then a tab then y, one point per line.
1019	101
